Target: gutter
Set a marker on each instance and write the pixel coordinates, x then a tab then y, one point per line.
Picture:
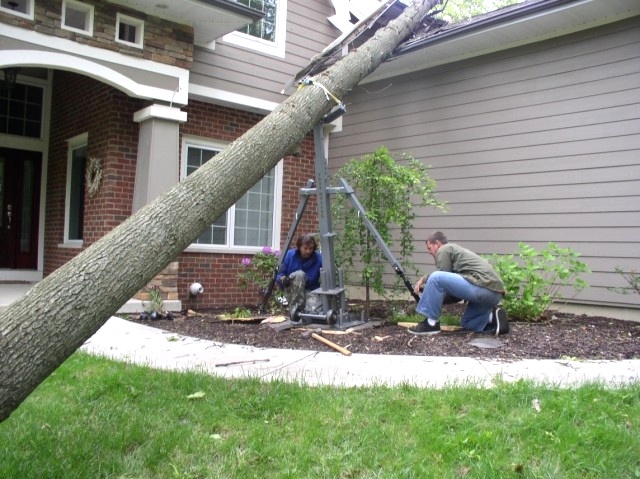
509	15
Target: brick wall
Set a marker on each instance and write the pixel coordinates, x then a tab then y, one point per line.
218	272
83	105
164	42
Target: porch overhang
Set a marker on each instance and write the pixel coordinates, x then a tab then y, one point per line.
210	19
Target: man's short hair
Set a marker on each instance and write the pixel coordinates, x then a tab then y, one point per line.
437	236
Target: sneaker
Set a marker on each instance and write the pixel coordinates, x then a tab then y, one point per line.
425	328
500	318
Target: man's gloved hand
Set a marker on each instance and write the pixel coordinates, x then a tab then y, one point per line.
285	281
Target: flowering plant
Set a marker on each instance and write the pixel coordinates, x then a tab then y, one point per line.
260	270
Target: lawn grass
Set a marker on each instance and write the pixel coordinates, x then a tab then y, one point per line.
96	418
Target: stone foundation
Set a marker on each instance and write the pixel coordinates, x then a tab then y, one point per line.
166	282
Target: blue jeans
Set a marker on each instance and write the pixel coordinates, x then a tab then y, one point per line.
480	300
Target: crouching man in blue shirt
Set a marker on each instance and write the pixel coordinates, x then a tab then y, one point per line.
300	274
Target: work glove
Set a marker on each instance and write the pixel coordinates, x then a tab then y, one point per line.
285	281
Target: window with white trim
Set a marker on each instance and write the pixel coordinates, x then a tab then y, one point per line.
252	222
129	30
74	202
21	108
77	17
266	35
20	8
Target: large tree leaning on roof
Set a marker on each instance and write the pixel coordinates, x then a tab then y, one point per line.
42	329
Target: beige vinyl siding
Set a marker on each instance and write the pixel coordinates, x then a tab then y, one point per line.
535	144
242	71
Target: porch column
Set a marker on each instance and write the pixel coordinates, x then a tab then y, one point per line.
157	168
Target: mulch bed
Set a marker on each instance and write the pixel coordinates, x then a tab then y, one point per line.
555	336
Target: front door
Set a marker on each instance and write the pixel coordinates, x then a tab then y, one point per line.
20	207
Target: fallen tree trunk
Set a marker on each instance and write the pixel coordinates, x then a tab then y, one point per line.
42	329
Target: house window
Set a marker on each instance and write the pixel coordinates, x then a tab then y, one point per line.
74	208
266	35
264	29
129	30
248	225
77	17
21	109
20	8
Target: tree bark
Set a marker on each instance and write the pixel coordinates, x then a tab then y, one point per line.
42	329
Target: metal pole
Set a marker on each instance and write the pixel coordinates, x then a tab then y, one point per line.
324	208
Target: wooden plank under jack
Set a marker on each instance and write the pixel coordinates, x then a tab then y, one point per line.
328	328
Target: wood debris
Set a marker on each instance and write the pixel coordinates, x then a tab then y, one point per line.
274	319
250	361
248	319
381	338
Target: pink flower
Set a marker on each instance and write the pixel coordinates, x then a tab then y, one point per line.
246	261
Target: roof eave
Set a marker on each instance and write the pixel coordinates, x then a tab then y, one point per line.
530	23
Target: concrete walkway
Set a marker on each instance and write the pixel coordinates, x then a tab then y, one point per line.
126	341
9	292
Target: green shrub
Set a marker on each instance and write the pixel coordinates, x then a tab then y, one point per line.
240	313
390	190
533	279
258	272
155	304
632	277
